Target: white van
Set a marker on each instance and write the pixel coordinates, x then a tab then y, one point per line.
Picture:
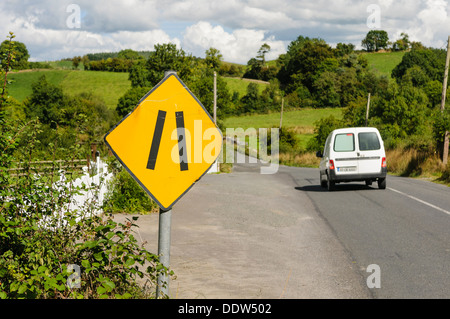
353	154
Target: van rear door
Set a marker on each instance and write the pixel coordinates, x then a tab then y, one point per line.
370	152
345	153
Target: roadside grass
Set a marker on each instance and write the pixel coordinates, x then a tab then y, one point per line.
416	164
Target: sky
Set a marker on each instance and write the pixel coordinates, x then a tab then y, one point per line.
53	30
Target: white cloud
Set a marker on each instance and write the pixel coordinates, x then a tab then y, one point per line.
96	16
236	27
52	40
238	46
434	19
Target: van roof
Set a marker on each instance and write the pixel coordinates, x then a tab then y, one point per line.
355	129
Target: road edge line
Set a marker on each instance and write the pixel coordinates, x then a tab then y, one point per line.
421	201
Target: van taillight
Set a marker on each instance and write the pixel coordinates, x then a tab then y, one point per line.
383	162
331	166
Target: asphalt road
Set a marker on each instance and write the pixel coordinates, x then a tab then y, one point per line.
403	229
248	235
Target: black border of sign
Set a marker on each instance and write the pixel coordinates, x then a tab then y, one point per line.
169	74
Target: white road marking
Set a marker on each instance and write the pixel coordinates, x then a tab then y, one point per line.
421	201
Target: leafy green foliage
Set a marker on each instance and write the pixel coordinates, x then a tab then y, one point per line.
441	125
46	102
67	115
8	58
430	61
125	195
313	74
41	238
110	65
130	100
288	140
323	128
401	44
21	55
213	59
257	67
301	62
166	57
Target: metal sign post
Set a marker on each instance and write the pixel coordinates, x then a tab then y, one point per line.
165	221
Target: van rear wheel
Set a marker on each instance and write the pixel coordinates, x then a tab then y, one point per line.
382	183
323	183
330	184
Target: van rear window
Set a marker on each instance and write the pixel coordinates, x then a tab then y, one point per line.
368	141
344	142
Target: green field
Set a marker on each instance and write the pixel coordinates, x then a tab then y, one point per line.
302	121
20	88
109	86
384	62
240	85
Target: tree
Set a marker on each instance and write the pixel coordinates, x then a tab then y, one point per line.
263	50
251	102
45	102
431	61
138	74
375	40
416	76
344	49
433	89
202	88
402	112
76	62
300	63
325	88
130	100
254	67
213	58
166	57
7	58
85	61
304	62
128	54
21	55
402	44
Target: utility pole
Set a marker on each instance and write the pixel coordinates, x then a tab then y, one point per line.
281	116
367	108
215	97
444	93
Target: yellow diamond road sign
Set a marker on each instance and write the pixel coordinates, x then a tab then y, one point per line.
168	142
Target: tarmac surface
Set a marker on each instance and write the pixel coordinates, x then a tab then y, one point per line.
246	235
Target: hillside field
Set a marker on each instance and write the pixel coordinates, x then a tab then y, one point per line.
110	86
384	62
